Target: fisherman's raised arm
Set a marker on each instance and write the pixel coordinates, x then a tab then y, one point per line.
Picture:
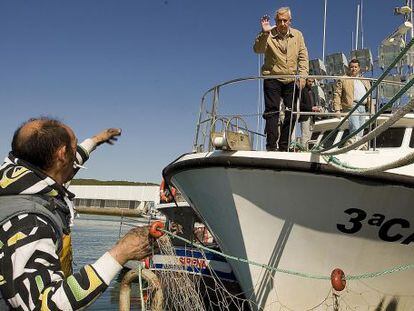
260	43
86	147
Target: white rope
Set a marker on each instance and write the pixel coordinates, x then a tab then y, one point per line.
335	162
401	112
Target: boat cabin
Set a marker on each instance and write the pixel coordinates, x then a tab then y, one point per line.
399	136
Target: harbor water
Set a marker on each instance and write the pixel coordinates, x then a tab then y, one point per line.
92	236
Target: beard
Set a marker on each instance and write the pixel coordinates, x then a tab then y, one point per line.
69	170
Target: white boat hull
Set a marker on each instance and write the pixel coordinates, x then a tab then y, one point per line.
300	217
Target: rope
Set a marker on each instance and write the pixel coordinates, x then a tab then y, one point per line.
335	162
301	274
401	112
407	159
380	273
298	145
291	272
141	294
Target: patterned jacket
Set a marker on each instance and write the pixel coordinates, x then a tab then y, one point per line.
35	259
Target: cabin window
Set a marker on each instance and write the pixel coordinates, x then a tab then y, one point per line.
315	135
391	138
330	141
313	139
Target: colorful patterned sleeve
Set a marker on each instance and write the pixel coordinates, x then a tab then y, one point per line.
31	277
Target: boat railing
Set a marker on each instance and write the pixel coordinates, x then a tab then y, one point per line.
216	108
378	91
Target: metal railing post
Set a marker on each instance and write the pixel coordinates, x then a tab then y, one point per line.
213	115
200	114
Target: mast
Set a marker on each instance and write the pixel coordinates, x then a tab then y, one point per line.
411	18
352	41
410	4
362	25
324	32
357	28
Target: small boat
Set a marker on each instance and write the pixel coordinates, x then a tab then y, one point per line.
203	267
179	262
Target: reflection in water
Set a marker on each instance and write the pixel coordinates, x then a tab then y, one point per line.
92	237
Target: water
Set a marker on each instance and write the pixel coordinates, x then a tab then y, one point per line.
92	236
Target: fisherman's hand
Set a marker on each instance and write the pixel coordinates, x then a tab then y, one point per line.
265	22
338	114
107	136
135	245
317	109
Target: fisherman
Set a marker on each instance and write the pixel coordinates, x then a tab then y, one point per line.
285	54
347	94
36	215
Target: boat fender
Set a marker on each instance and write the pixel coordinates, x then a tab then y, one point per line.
146	262
220	142
165	195
338	279
154	232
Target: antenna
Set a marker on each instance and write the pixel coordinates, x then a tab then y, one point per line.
352	41
362	26
324	32
357	28
410	3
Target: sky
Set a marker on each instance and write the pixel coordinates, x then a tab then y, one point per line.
143	65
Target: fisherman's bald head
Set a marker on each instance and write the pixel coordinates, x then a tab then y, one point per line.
37	140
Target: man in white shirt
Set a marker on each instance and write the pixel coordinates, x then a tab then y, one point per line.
348	92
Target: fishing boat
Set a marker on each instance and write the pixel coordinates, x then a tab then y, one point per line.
320	228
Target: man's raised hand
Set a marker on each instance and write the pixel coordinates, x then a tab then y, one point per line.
265	22
107	136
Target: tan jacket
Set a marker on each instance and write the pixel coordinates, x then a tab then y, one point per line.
344	95
284	55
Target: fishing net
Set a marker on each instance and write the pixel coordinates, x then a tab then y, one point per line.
184	288
189	281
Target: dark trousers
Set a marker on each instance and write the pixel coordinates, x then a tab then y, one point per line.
274	91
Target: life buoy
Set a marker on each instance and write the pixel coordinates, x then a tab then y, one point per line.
165	195
153	230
